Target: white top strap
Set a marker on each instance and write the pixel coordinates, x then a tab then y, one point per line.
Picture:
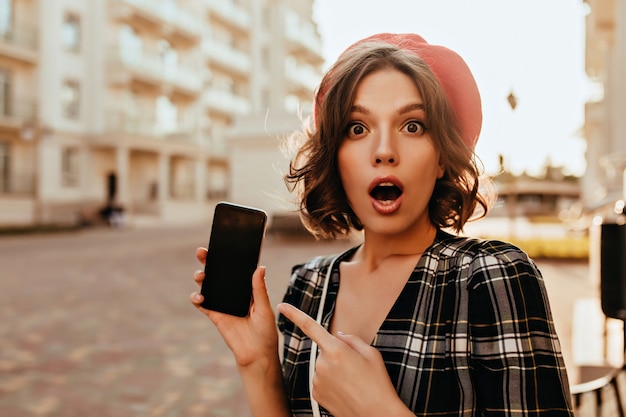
320	312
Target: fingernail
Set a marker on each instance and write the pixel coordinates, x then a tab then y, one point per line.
197	297
341	333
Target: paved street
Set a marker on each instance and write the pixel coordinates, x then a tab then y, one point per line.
98	323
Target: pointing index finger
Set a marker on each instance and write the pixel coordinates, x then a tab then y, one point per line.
310	327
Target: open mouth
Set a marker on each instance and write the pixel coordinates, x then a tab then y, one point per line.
386	192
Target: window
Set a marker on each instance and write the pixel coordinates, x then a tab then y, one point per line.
69	167
130	113
131	44
292	104
6	17
265	58
223	82
4	167
5	93
70	100
71	32
170	6
265	98
166	115
168	56
266	17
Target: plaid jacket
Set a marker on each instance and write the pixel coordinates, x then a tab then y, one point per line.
471	333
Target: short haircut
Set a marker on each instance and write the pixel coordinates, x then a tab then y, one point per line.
314	173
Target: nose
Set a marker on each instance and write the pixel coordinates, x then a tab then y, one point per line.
385	151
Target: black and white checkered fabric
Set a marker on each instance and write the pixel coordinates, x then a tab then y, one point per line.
471	333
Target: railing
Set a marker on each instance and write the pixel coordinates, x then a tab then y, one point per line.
119	121
226	101
171	13
227	55
22	36
230	11
215	143
24	110
303	75
20	184
302	32
151	64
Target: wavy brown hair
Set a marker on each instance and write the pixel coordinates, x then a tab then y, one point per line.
314	173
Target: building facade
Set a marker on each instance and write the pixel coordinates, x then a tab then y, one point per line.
605	121
131	103
550	196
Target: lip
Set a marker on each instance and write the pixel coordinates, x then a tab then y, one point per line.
379	206
387	178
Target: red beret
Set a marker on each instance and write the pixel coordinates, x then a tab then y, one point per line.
453	74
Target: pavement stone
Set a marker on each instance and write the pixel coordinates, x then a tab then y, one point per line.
97	322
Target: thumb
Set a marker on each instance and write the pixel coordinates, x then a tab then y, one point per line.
259	290
369	353
355	342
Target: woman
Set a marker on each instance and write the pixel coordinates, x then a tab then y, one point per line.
414	320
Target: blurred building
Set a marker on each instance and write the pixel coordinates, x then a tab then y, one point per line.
131	102
605	118
549	196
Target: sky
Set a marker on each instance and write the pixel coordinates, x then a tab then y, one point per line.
533	48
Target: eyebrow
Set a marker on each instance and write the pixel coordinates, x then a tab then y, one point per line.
402	110
359	109
411	107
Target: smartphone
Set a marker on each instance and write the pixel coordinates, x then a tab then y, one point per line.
233	254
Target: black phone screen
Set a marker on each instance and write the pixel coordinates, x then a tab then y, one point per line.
233	255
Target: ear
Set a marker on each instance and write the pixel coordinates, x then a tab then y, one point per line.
440	171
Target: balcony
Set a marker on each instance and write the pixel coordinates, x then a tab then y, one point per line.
171	20
149	70
20	44
16	114
303	38
22	183
120	121
227	57
226	102
217	146
230	13
304	78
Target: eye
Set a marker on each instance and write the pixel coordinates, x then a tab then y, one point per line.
415	127
355	129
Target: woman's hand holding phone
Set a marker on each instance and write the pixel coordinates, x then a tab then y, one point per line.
252	339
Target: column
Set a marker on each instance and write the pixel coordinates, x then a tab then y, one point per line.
163	178
200	179
122	162
86	176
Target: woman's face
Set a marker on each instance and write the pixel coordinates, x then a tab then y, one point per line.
388	162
